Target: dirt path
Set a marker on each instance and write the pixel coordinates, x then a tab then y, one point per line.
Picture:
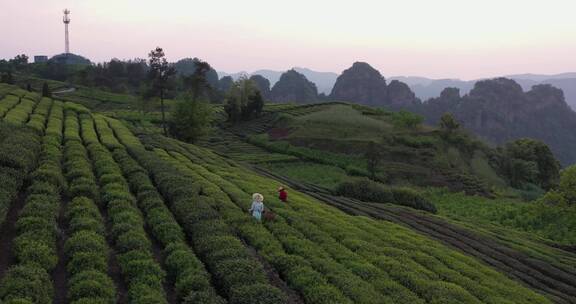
114	270
275	279
64	91
8	232
556	283
168	284
59	274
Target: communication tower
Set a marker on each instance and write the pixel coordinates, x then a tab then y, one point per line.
66	20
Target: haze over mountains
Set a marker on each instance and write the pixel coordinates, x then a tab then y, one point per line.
426	88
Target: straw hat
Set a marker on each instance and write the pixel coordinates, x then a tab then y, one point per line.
258	197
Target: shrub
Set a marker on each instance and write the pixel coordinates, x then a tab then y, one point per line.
256	294
149	199
116	191
92	285
49	175
85	261
191	281
238	272
18	301
86	223
29	251
168	232
84	241
203	297
132	240
36	206
111	178
27	282
82	207
33	223
568	184
143	294
370	191
118	206
80	187
140	270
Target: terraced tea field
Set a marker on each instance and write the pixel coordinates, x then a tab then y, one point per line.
93	213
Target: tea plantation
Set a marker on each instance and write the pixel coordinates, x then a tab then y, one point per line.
93	211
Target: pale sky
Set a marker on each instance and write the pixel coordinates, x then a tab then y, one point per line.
465	39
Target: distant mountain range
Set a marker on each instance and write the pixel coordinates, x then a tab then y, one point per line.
324	81
426	88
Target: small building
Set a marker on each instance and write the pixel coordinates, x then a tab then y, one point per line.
40	59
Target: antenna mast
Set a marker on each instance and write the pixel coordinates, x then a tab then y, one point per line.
66	20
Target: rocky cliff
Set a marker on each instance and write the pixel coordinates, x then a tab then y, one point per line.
294	87
363	84
499	111
263	85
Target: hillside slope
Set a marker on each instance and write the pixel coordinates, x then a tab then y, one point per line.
150	219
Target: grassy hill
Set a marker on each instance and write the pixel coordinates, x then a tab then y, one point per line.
97	210
338	134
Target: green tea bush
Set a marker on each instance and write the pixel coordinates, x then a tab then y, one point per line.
34	246
86	222
256	294
27	282
7	103
106	134
198	218
92	285
132	240
143	275
85	187
19	148
30	251
20	113
183	266
36	206
84	241
82	206
85	248
49	174
367	190
89	260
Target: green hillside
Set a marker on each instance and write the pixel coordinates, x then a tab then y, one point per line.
102	209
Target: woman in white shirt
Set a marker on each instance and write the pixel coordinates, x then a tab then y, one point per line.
257	206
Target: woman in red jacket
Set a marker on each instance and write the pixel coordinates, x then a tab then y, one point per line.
282	194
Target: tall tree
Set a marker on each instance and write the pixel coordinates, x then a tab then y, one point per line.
243	101
192	115
160	74
7	78
448	125
190	118
197	83
533	156
19	60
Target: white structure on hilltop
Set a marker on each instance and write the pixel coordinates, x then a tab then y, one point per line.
66	20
